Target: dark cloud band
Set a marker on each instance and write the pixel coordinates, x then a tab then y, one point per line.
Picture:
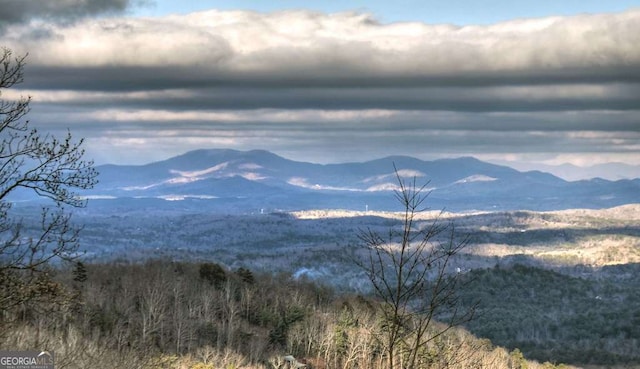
16	11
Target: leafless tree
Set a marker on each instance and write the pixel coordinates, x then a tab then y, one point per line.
410	270
47	166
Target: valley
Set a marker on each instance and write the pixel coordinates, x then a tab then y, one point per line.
325	239
561	286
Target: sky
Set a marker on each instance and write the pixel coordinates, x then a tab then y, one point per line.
546	82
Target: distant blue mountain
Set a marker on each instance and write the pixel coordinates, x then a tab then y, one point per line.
262	179
569	172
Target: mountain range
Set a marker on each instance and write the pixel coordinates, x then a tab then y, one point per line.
610	171
262	181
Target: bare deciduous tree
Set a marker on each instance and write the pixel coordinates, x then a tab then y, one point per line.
410	270
51	168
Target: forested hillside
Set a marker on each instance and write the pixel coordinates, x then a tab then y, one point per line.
177	315
593	319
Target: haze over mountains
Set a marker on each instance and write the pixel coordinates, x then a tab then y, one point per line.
262	181
570	172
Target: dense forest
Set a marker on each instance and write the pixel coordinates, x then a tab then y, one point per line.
163	314
592	319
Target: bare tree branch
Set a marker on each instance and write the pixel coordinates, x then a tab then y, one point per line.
50	168
410	272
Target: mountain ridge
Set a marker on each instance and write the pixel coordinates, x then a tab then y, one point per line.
609	171
265	177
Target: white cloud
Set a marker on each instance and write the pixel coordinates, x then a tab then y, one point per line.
264	115
290	42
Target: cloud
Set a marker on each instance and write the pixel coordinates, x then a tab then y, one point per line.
325	87
554	97
300	48
242	60
18	11
334	136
